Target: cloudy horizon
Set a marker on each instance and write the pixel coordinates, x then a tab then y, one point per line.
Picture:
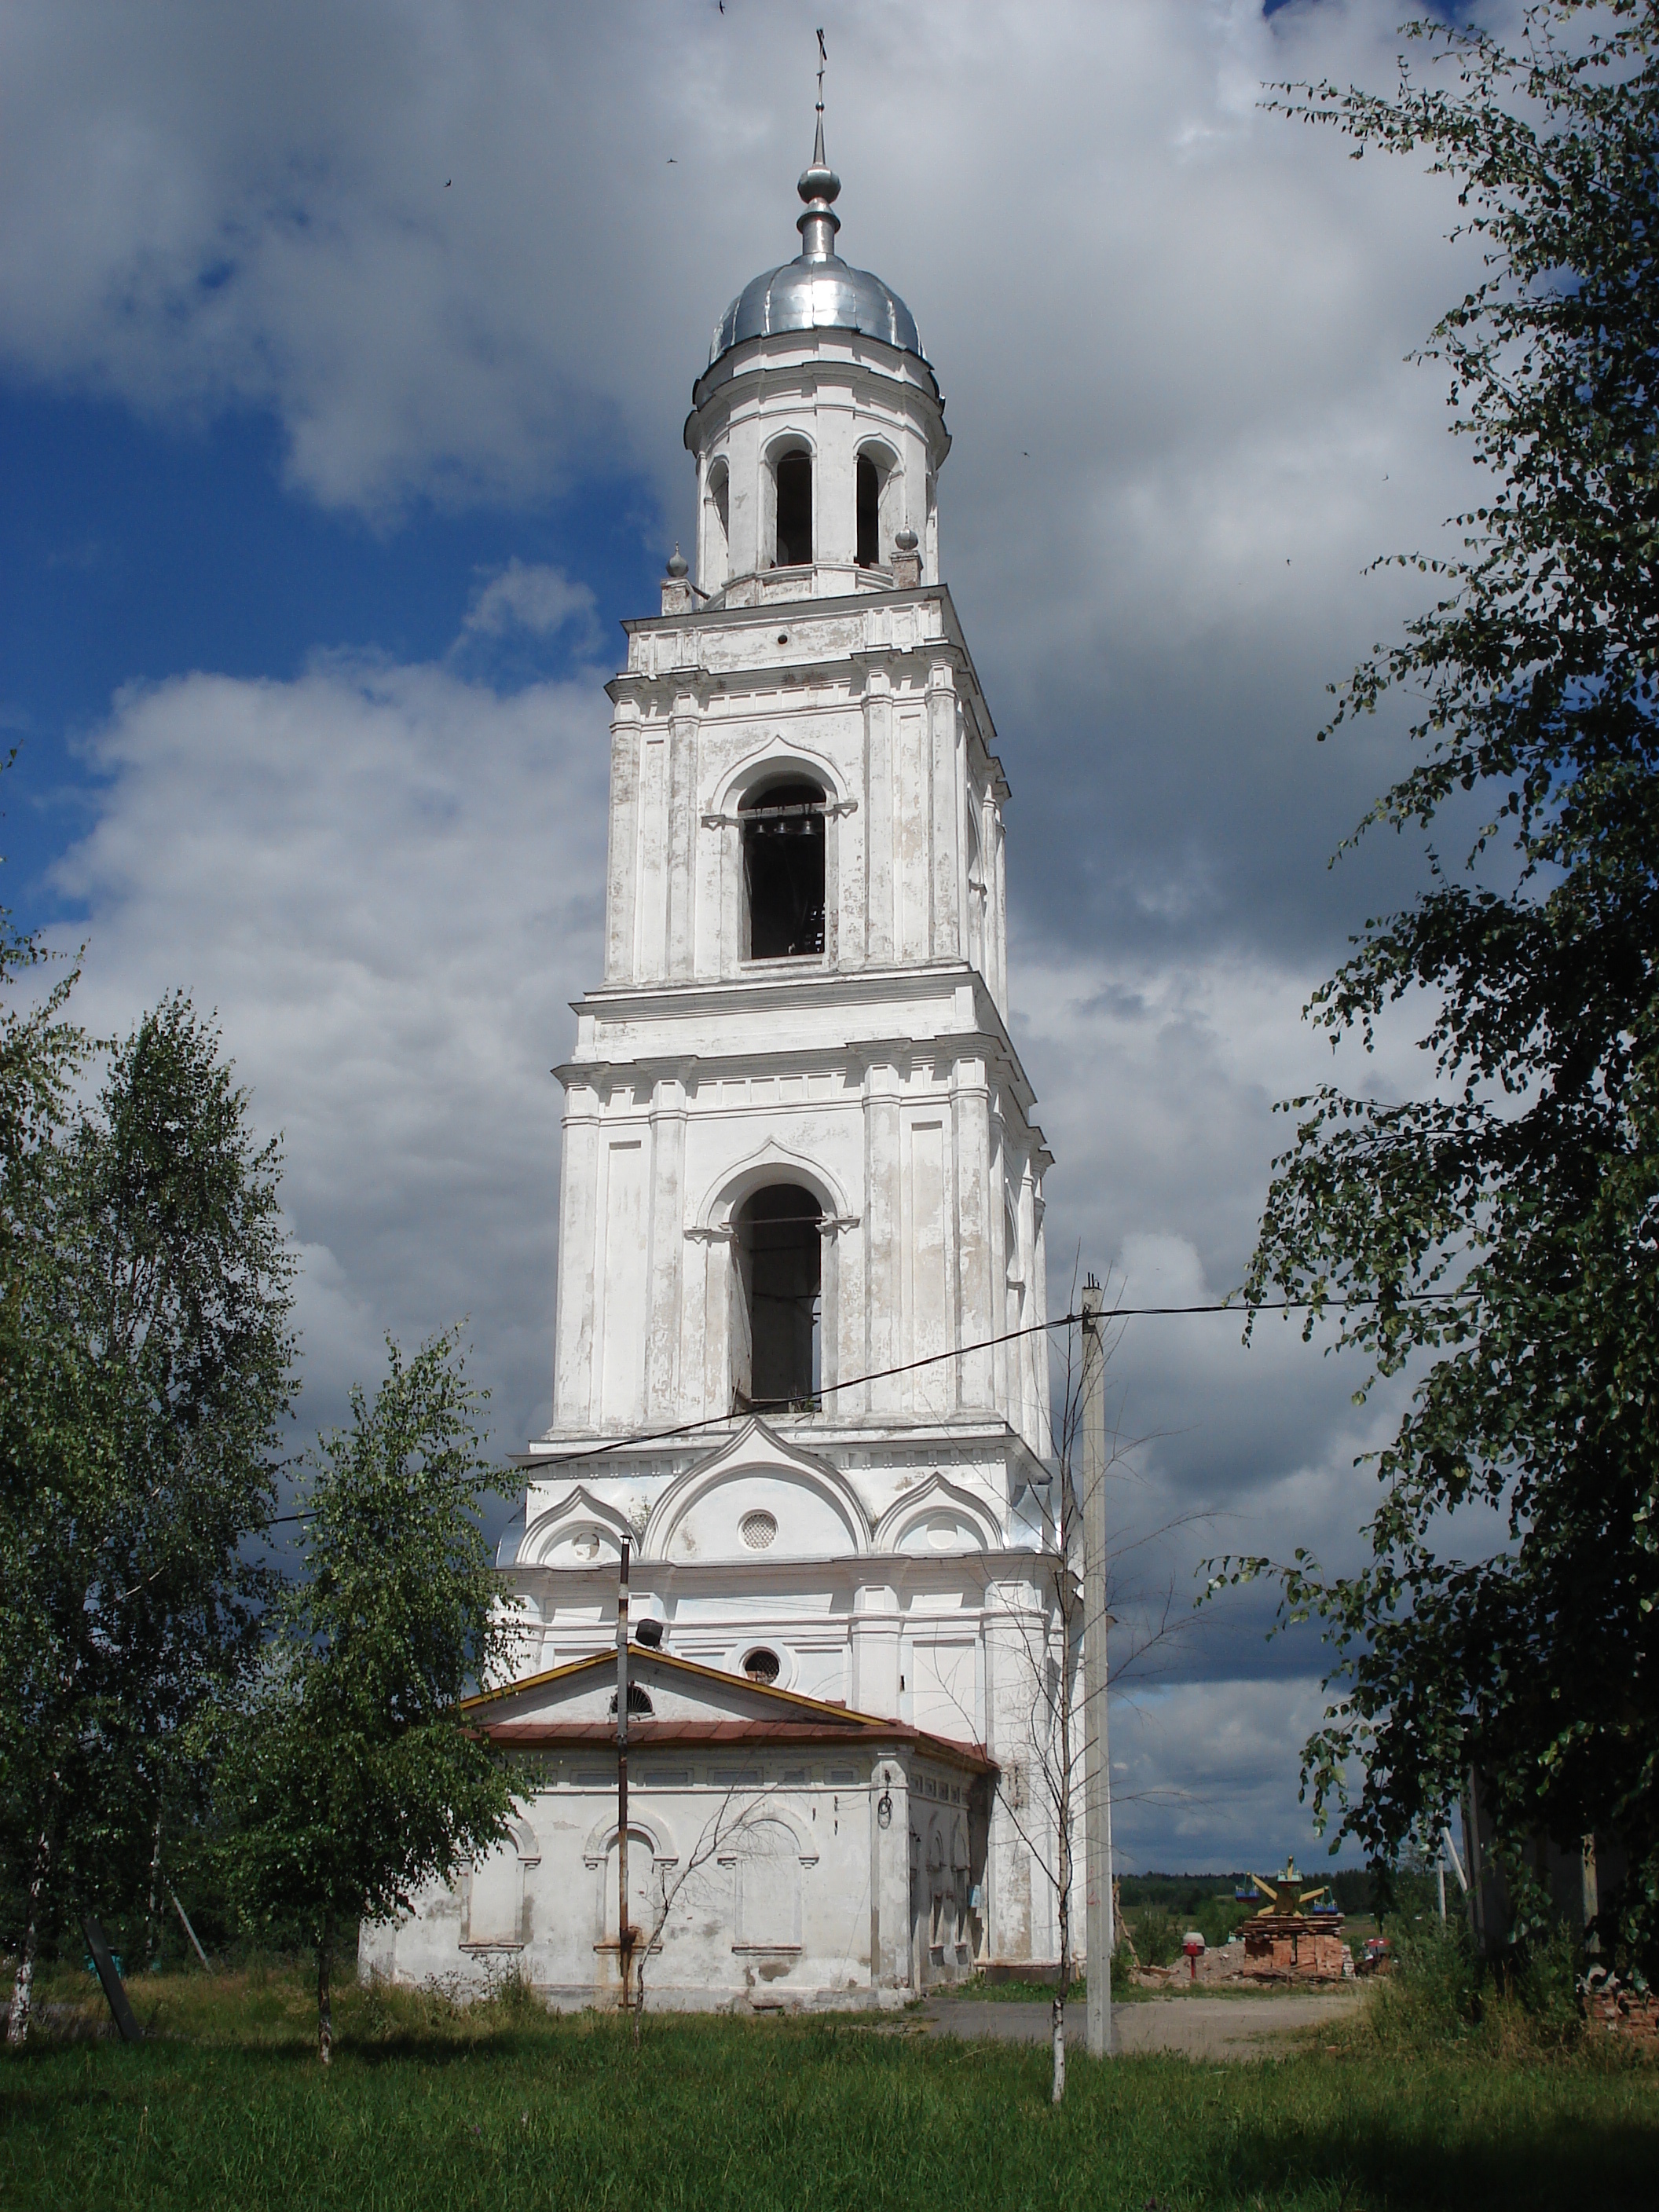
345	355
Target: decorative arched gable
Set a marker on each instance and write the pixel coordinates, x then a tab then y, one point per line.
768	1811
718	1510
937	1516
602	1837
578	1529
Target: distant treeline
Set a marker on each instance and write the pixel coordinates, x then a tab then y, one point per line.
1354	1888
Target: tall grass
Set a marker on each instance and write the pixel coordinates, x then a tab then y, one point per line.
1443	1997
435	2104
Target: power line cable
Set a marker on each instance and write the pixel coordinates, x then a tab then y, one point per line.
529	1461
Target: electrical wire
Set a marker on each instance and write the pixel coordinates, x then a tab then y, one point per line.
527	1462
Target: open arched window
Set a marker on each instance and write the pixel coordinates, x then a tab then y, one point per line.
793	474
783	870
869	512
780	1265
718	533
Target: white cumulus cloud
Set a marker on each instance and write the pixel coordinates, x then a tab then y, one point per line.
531	596
387	883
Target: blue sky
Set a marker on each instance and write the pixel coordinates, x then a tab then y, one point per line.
137	549
344	350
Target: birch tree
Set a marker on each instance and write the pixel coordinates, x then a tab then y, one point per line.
1500	1236
147	1372
352	1780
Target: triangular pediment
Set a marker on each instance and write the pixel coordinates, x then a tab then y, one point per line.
681	1693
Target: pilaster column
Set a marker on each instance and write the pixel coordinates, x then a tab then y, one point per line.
971	1118
832	1319
683	822
667	1260
988	894
579	1177
651	875
1041	1430
882	1214
621	856
715	1261
875	1635
891	1966
947	810
1024	1364
999	923
997	1228
880	924
1015	1723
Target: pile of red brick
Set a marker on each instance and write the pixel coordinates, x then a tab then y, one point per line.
1295	1946
1620	2011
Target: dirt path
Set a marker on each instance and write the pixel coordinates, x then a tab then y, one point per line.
1201	2027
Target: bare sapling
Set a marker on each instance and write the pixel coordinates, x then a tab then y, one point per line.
325	1992
1045	1814
724	1829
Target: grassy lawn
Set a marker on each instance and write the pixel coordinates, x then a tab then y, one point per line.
504	2107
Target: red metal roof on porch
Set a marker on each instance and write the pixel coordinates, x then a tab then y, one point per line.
646	1736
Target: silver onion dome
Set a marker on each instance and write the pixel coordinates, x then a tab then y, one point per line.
817	290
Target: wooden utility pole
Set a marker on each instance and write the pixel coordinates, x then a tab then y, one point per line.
1097	1764
624	1933
110	1975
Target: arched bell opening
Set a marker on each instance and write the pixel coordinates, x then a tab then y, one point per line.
780	1251
717	528
878	503
793	477
783	871
869	513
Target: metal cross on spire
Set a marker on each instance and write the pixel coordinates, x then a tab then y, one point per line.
819	187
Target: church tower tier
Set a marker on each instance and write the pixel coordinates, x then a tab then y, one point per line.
800	1173
801	1359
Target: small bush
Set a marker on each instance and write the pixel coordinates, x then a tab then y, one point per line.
1156	1936
1432	1999
513	2001
1546	1986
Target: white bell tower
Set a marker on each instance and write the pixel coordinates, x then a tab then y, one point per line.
801	1183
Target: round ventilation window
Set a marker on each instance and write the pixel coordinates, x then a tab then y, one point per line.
762	1665
757	1530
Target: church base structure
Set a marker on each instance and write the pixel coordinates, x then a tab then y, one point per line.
784	1852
